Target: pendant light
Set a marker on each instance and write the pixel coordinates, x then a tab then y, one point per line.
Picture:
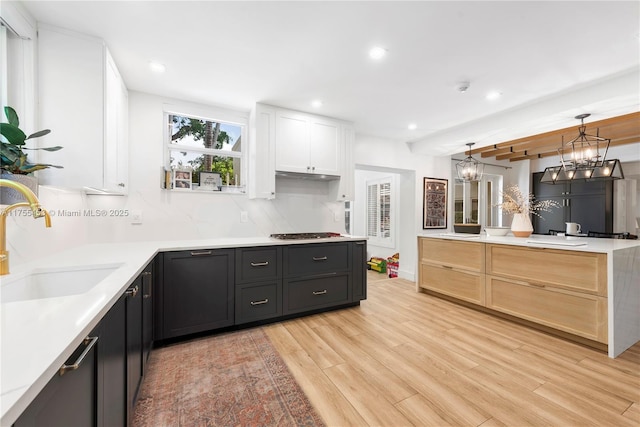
584	157
469	169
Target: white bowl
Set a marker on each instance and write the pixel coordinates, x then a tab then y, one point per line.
497	231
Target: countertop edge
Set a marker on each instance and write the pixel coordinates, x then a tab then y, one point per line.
582	244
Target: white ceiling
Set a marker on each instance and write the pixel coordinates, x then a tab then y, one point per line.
551	60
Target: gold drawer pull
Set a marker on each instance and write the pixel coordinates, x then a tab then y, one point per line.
320	292
260	264
264	301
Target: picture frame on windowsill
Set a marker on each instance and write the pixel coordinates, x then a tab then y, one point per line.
182	179
210	181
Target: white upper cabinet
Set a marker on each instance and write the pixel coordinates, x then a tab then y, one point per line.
262	154
307	144
286	141
83	100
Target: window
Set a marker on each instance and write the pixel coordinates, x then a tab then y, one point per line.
206	145
17	56
380	212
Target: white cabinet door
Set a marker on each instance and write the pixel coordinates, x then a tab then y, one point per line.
262	154
83	101
325	146
344	188
116	129
292	142
307	144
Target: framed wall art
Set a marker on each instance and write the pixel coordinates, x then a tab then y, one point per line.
434	212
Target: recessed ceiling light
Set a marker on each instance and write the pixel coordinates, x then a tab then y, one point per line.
157	67
316	103
493	95
412	126
377	52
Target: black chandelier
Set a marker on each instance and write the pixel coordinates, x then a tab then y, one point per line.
584	157
470	169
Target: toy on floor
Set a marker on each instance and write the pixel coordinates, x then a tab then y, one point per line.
377	264
393	263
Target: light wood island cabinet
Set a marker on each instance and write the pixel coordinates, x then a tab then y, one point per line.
453	268
563	290
558	289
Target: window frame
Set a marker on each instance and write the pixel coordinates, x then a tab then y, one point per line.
216	115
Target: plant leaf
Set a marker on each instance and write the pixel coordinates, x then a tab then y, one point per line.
9	153
28	167
56	148
39	133
12	116
13	134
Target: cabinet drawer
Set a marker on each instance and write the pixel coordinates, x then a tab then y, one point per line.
464	285
453	253
313	293
581	271
316	258
257	264
258	302
577	313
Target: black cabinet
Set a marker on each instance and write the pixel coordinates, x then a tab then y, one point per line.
316	276
112	366
258	290
258	301
100	386
134	343
148	291
589	203
313	293
70	397
203	290
258	264
359	268
197	291
316	258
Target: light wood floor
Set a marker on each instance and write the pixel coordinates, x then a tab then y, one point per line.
404	358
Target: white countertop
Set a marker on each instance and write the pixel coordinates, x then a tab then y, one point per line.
38	336
583	244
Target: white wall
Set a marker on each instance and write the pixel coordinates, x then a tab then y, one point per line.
299	206
371	153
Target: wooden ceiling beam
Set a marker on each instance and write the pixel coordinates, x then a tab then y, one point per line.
515	157
621	130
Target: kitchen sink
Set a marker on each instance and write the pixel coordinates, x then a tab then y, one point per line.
43	283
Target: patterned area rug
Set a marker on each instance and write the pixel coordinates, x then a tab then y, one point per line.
232	379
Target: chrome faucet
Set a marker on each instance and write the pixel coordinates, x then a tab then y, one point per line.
33	203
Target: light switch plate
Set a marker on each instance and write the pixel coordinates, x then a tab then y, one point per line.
244	216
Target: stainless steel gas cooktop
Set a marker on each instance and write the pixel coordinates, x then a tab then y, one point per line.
303	236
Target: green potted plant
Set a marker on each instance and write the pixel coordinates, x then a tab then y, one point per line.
14	160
